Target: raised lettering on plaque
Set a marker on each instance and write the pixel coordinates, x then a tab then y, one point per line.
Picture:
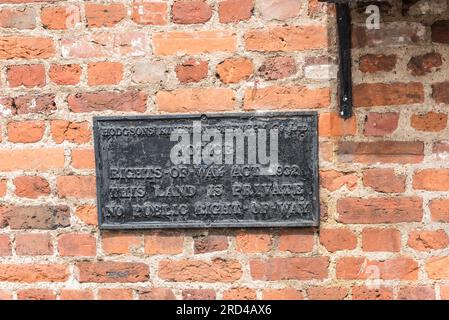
219	170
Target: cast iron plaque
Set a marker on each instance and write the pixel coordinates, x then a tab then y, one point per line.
215	170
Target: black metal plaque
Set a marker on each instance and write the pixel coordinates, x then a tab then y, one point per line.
214	170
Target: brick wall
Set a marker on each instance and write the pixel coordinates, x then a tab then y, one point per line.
384	172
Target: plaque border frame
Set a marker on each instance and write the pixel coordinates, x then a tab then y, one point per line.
315	222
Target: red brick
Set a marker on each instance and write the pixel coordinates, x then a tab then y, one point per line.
279	9
365	293
234	70
374	239
299	268
115	294
26	131
381	151
76	132
287	39
430	122
192	70
282	294
439	31
83	159
384	180
76	295
358	268
102	73
104	15
102	272
87	214
416	293
380	124
198	294
210	243
13	47
424	64
5	295
333	180
431	179
18	18
276	97
191	11
68	74
41	159
192	270
27	75
440	92
36	294
253	241
77	245
3	187
439	210
196	100
37	217
60	18
232	11
444	292
327	293
33	244
29	273
239	294
437	268
5	245
31	187
275	68
76	186
121	243
371	63
296	240
426	240
104	100
164	243
338	239
332	125
30	104
380	210
157	294
388	94
149	13
193	42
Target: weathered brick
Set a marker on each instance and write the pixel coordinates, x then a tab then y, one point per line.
279	9
83	158
30	104
192	70
33	244
234	70
381	152
374	239
27	75
104	100
210	243
253	242
336	239
287	39
31	159
103	73
60	18
387	94
424	64
359	268
31	187
68	294
104	15
198	294
193	270
87	214
157	294
149	13
239	294
5	295
327	293
193	42
25	131
437	268
196	100
384	180
416	293
76	132
369	293
5	245
163	243
439	210
191	11
380	210
299	268
115	294
282	294
440	92
431	179
121	243
276	97
430	122
76	186
278	67
154	72
333	180
12	47
296	240
426	240
439	31
37	217
18	18
380	124
105	272
68	74
371	63
232	11
29	273
36	294
77	245
440	149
